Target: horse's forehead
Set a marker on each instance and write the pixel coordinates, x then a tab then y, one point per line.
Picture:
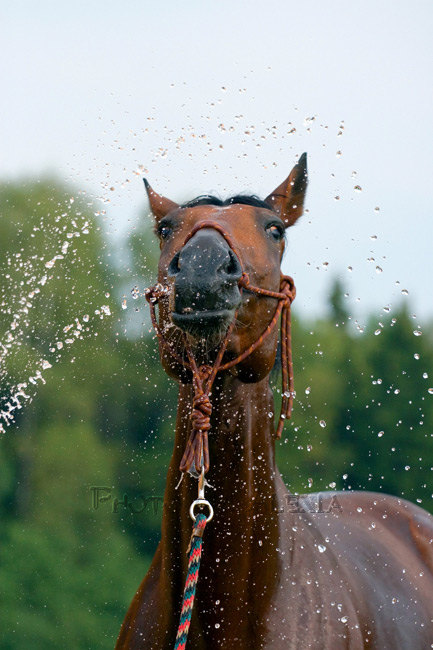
233	217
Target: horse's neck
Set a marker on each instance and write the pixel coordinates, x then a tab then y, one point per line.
244	532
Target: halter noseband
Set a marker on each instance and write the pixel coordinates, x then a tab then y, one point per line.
197	449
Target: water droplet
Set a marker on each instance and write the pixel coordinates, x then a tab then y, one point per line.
430	390
377	209
359	509
217	625
322	423
425	375
344	619
321	548
405	292
407	468
416	355
336	198
380	434
308	390
357	188
124	303
417	332
46	364
377	332
379	269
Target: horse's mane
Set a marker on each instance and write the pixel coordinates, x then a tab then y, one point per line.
244	199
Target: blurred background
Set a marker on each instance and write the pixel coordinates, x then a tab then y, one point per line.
197	97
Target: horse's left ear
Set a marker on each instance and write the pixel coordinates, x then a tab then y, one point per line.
159	205
288	199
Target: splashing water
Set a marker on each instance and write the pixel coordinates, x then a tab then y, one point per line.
30	284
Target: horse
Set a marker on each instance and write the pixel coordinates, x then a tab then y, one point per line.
274	573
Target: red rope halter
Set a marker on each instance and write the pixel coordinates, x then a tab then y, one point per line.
197	449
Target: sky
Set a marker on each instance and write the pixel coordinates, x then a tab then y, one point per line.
224	96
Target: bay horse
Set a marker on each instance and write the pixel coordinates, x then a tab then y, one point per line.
357	572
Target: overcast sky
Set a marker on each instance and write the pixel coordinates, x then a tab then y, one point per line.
223	96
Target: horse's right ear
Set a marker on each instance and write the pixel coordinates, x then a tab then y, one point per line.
288	199
159	205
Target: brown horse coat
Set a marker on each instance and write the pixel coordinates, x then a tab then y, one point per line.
325	571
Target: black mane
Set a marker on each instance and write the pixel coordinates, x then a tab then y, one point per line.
243	199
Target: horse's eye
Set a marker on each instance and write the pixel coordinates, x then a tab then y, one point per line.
276	231
164	231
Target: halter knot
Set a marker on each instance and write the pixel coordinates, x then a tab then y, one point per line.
244	280
153	294
288	288
201	412
197	449
204	372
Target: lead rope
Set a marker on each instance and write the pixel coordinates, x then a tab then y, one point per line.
194	549
197	449
191	581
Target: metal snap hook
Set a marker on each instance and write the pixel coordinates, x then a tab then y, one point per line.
201	502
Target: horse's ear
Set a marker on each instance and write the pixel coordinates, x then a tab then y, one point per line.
288	199
159	205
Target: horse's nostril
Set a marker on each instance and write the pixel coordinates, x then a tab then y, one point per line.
233	267
173	267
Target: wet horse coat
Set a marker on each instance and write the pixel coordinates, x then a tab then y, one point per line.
336	570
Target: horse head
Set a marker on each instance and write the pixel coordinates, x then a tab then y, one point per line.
207	247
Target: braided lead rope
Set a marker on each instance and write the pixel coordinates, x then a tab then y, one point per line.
194	550
197	449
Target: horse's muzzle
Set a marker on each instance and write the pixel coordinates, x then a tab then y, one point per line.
206	274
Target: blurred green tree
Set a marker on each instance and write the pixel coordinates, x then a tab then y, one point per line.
101	412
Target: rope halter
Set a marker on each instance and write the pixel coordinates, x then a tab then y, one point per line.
196	454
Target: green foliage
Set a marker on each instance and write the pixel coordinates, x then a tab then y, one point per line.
69	572
105	418
363	414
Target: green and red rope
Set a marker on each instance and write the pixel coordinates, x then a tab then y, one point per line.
195	549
